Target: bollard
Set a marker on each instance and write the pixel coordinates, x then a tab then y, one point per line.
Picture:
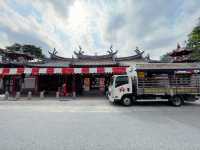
17	96
6	95
29	95
42	94
57	94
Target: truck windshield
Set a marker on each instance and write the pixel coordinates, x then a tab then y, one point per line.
121	80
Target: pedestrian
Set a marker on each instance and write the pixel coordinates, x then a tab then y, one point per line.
64	89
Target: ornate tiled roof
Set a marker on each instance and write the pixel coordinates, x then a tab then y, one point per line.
94	62
110	56
89	60
137	56
53	56
16	54
167	66
50	64
82	56
180	51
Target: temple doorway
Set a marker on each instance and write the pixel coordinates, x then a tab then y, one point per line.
53	83
94	84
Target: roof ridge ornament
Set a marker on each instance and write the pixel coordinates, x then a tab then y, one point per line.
147	57
80	52
54	52
178	46
111	51
138	51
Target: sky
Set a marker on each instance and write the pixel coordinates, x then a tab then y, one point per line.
155	26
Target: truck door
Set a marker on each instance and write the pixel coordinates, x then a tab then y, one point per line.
122	86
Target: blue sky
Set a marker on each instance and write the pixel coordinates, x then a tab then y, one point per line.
155	26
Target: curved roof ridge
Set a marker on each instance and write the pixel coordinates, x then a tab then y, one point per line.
82	56
137	56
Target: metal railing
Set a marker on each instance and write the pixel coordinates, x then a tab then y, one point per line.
164	85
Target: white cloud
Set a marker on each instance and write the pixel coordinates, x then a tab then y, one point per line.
155	26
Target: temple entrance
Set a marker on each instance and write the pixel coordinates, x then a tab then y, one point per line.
94	84
53	83
12	84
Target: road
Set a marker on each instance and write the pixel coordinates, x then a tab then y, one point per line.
98	125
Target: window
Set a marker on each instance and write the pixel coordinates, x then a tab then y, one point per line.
121	80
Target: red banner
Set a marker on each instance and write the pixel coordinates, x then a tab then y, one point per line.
6	71
35	71
67	70
100	70
85	70
119	70
20	70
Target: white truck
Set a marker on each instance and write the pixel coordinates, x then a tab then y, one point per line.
175	82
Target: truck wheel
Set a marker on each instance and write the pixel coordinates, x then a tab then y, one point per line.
177	101
127	101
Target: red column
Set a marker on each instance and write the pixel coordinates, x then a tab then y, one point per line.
36	83
65	89
13	85
74	86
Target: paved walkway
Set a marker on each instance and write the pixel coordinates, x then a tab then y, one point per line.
67	98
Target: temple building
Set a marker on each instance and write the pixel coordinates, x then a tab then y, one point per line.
79	75
181	54
10	58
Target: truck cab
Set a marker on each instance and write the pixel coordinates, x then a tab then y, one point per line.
120	87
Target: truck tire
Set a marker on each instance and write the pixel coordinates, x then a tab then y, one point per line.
126	101
177	101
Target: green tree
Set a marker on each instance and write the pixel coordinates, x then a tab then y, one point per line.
166	58
194	42
33	50
27	48
14	47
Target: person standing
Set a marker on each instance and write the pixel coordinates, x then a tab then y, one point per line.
64	89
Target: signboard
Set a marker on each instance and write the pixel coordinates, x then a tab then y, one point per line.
102	84
87	84
141	74
29	83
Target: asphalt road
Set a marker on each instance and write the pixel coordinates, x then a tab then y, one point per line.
98	125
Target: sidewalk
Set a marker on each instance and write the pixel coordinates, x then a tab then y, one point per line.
54	104
52	98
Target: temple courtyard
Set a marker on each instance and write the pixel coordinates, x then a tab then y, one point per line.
94	123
